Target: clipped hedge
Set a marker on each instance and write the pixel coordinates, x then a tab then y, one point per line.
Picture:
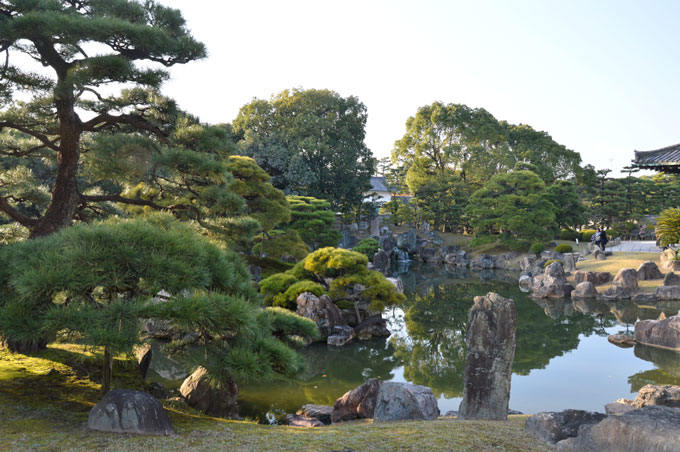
537	248
564	248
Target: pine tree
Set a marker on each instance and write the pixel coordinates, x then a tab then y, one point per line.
97	281
76	148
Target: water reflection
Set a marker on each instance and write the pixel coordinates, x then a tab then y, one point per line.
428	346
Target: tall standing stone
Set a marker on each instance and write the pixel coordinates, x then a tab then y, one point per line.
491	339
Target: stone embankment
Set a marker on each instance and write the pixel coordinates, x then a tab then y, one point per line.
650	423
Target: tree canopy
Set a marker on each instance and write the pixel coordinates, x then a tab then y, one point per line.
513	205
97	282
311	142
76	146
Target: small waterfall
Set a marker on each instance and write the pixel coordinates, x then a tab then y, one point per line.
400	255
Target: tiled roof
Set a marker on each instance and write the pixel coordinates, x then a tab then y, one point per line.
378	183
668	156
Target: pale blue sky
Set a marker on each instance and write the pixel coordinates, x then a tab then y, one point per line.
600	76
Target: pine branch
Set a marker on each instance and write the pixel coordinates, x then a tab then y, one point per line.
15	215
23	128
106	120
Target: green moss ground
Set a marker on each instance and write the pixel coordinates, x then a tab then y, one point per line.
45	399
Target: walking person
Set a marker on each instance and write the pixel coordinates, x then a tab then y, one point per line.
596	237
603	239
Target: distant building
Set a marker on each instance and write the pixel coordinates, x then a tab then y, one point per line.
379	188
666	159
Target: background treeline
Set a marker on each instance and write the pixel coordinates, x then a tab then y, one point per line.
468	172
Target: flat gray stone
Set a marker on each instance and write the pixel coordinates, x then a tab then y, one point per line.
127	411
404	401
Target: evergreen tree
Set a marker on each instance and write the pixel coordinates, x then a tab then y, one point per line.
96	282
135	150
512	205
313	219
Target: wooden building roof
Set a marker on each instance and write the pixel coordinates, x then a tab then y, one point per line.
665	159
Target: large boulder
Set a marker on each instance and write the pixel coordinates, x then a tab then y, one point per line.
570	260
648	270
584	290
621	406
490	343
668	293
615	293
668	261
203	395
341	335
374	326
627	278
388	243
357	403
127	411
671	279
666	395
659	333
596	278
322	311
320	412
552	427
381	261
553	284
402	401
430	255
649	429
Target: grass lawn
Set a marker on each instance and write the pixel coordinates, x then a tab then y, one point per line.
616	262
45	399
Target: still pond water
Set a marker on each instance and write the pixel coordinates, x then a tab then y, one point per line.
562	360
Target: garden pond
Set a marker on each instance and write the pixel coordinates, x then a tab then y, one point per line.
562	360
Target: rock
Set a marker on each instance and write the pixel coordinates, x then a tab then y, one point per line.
622	340
649	429
585	289
553	284
667	259
430	256
490	343
552	427
357	403
321	310
296	420
671	279
666	395
599	254
404	401
659	333
320	412
217	400
627	278
615	293
127	411
648	270
341	335
487	261
397	284
525	282
644	298
451	258
621	406
462	259
668	293
374	326
255	272
143	354
570	260
596	278
381	261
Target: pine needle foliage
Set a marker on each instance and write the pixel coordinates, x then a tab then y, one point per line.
334	271
313	219
97	281
668	227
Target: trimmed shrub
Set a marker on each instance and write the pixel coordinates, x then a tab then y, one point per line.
586	234
367	247
537	248
568	234
564	248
